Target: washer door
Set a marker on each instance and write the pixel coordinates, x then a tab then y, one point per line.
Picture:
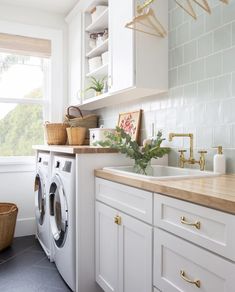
40	198
58	212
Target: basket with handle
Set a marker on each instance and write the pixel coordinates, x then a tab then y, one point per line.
88	121
56	133
8	215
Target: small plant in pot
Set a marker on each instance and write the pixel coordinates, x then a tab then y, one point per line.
97	85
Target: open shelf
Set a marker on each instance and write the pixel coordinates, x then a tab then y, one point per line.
100	23
97	51
101	71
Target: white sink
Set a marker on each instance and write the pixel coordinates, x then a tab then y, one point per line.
159	172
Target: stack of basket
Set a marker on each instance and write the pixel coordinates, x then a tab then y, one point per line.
75	129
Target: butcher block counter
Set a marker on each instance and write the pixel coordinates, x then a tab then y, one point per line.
67	149
217	192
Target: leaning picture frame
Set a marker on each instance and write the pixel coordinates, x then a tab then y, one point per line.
130	122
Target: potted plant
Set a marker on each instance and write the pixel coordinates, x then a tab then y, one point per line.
97	85
141	155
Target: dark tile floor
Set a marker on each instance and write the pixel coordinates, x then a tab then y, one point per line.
24	267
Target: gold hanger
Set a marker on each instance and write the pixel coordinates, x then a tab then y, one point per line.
204	5
146	21
187	8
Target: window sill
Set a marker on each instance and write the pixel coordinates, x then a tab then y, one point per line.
17	164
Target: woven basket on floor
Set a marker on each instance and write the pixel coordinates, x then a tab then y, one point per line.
76	135
89	121
56	133
8	214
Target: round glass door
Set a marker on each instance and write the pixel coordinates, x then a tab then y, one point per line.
58	212
40	199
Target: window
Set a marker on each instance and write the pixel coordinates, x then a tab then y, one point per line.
24	102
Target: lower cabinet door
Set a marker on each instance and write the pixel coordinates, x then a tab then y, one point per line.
135	255
123	252
183	267
106	248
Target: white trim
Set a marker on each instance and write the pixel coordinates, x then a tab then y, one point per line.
17	164
25	226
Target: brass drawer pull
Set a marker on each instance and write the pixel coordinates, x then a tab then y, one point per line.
118	220
197	224
195	282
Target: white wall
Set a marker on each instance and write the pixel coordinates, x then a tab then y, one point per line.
16	182
201	96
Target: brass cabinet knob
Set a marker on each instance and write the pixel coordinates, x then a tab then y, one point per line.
118	220
185	278
196	224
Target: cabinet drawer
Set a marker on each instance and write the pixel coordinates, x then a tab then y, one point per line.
176	262
212	229
135	202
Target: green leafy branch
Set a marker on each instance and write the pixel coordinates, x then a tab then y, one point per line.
142	155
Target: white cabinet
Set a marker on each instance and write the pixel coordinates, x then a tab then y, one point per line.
75	59
138	62
123	251
180	266
121	69
106	248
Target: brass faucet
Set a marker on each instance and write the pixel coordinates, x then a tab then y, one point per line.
191	159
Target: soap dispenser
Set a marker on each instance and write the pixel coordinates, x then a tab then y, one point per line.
219	161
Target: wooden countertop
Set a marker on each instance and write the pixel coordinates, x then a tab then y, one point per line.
73	149
216	192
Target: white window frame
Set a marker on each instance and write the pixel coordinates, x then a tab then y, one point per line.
56	102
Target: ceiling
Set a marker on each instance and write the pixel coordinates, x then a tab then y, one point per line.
56	6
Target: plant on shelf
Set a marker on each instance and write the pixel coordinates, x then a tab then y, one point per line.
97	85
141	155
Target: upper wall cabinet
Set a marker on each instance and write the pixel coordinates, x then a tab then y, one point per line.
132	63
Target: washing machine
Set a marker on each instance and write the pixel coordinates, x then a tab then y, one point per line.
41	192
62	217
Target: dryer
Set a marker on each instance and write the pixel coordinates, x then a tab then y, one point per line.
41	193
62	217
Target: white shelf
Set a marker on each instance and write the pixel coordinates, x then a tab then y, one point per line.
101	71
97	51
100	23
114	98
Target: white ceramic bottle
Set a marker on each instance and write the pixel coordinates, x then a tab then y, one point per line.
219	161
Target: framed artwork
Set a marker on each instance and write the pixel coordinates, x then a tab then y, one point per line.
130	123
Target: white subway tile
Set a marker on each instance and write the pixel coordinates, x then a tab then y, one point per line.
228	110
222	136
177	56
190	51
213	113
197	70
184	74
223	86
205	45
214	65
205	89
198	26
222	38
182	34
177	17
204	137
214	20
229	60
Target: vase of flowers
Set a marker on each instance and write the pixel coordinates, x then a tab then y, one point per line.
141	155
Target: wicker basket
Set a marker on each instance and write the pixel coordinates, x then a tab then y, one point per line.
76	135
88	122
8	214
56	133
